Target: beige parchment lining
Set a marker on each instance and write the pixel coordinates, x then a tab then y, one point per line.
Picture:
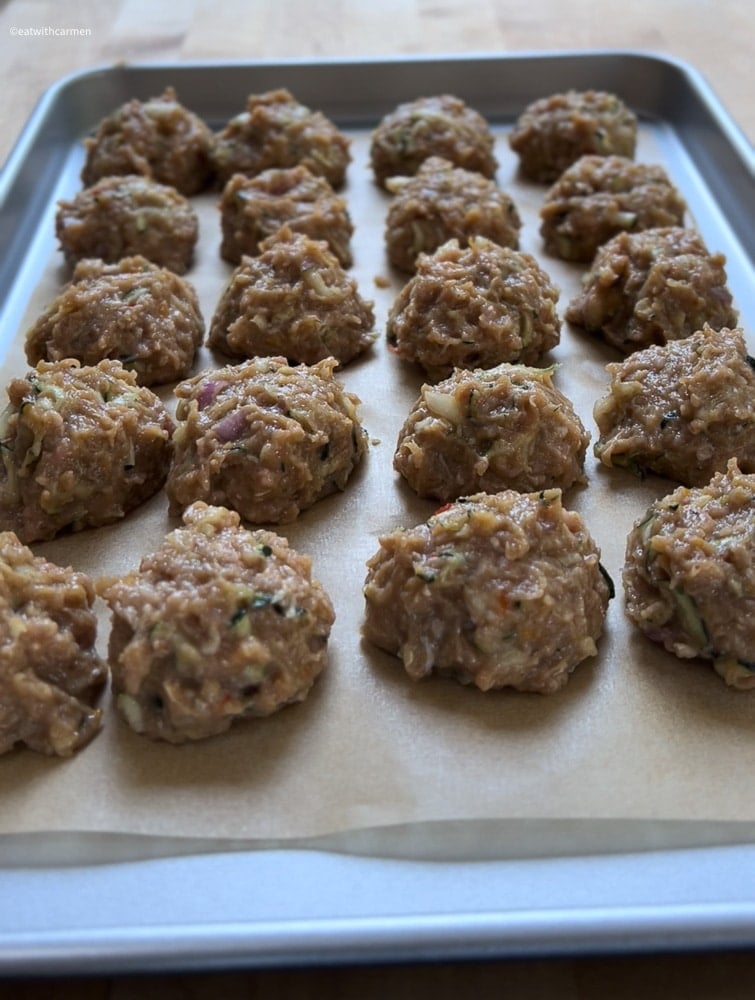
640	749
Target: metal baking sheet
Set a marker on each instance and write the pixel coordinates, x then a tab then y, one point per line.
224	909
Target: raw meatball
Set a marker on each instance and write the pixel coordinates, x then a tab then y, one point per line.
474	307
600	196
681	410
254	208
125	216
81	446
689	575
158	138
553	132
50	674
144	316
276	130
443	202
431	126
293	300
651	287
218	624
507	427
496	590
264	438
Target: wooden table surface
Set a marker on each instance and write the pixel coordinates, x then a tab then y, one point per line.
715	37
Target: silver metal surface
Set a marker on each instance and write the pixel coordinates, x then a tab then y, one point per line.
241	908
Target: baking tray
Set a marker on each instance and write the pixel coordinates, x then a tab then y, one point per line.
195	908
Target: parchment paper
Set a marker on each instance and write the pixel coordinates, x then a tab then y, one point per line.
640	750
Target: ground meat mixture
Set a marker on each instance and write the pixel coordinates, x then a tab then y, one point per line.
264	438
689	575
496	590
293	300
431	126
442	202
474	307
253	209
219	624
81	446
600	196
681	410
145	316
125	216
507	427
553	132
158	138
651	287
276	130
50	674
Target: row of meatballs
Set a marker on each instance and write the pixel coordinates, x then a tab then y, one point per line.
222	623
162	139
465	307
270	439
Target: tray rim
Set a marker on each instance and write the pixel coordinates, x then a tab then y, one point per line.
537	920
562	928
687	70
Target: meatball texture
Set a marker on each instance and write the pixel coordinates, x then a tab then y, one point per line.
507	427
497	590
128	216
599	196
50	674
681	410
144	316
689	574
219	624
264	438
474	307
81	446
440	125
442	202
553	132
252	209
651	287
293	300
158	138
276	130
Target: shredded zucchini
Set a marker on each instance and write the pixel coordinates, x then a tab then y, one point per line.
688	614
